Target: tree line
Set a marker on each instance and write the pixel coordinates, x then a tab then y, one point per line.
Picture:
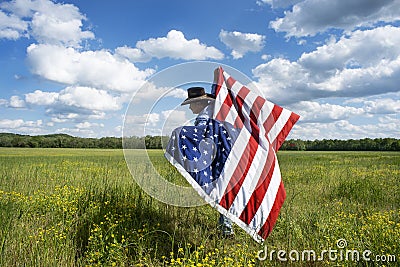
365	144
68	141
158	142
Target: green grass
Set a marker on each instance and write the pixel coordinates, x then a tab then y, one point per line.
78	207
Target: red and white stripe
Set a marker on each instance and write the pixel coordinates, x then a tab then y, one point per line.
250	190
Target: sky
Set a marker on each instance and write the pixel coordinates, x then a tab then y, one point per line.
76	67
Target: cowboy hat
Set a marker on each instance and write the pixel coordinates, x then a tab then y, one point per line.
197	94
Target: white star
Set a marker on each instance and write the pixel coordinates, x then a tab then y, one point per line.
183	137
195	139
194	148
184	130
215	135
173	137
205	152
204	162
173	148
220	125
184	147
228	138
195	170
184	158
195	130
224	131
205	173
195	159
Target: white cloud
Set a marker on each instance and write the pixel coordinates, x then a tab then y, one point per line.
41	98
12	27
310	17
63	114
149	91
78	132
278	3
11	124
364	81
51	23
176	46
21	126
359	49
16	102
141	120
3	102
49	29
88	98
75	103
63	117
99	69
344	129
88	129
364	63
315	112
266	57
282	81
75	96
88	125
132	54
382	106
141	125
97	115
241	43
175	116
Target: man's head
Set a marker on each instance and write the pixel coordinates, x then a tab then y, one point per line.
197	106
197	99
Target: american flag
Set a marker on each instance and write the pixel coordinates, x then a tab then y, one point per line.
231	161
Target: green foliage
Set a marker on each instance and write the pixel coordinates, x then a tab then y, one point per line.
81	207
366	144
67	141
159	142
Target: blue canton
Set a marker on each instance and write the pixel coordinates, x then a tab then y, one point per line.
202	150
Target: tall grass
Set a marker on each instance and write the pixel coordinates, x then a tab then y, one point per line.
77	207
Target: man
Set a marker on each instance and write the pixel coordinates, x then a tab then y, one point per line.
201	104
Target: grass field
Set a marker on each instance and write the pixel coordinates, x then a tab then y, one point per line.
76	207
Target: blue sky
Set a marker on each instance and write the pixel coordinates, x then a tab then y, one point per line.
73	66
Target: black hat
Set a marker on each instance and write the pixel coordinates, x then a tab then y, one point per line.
197	94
